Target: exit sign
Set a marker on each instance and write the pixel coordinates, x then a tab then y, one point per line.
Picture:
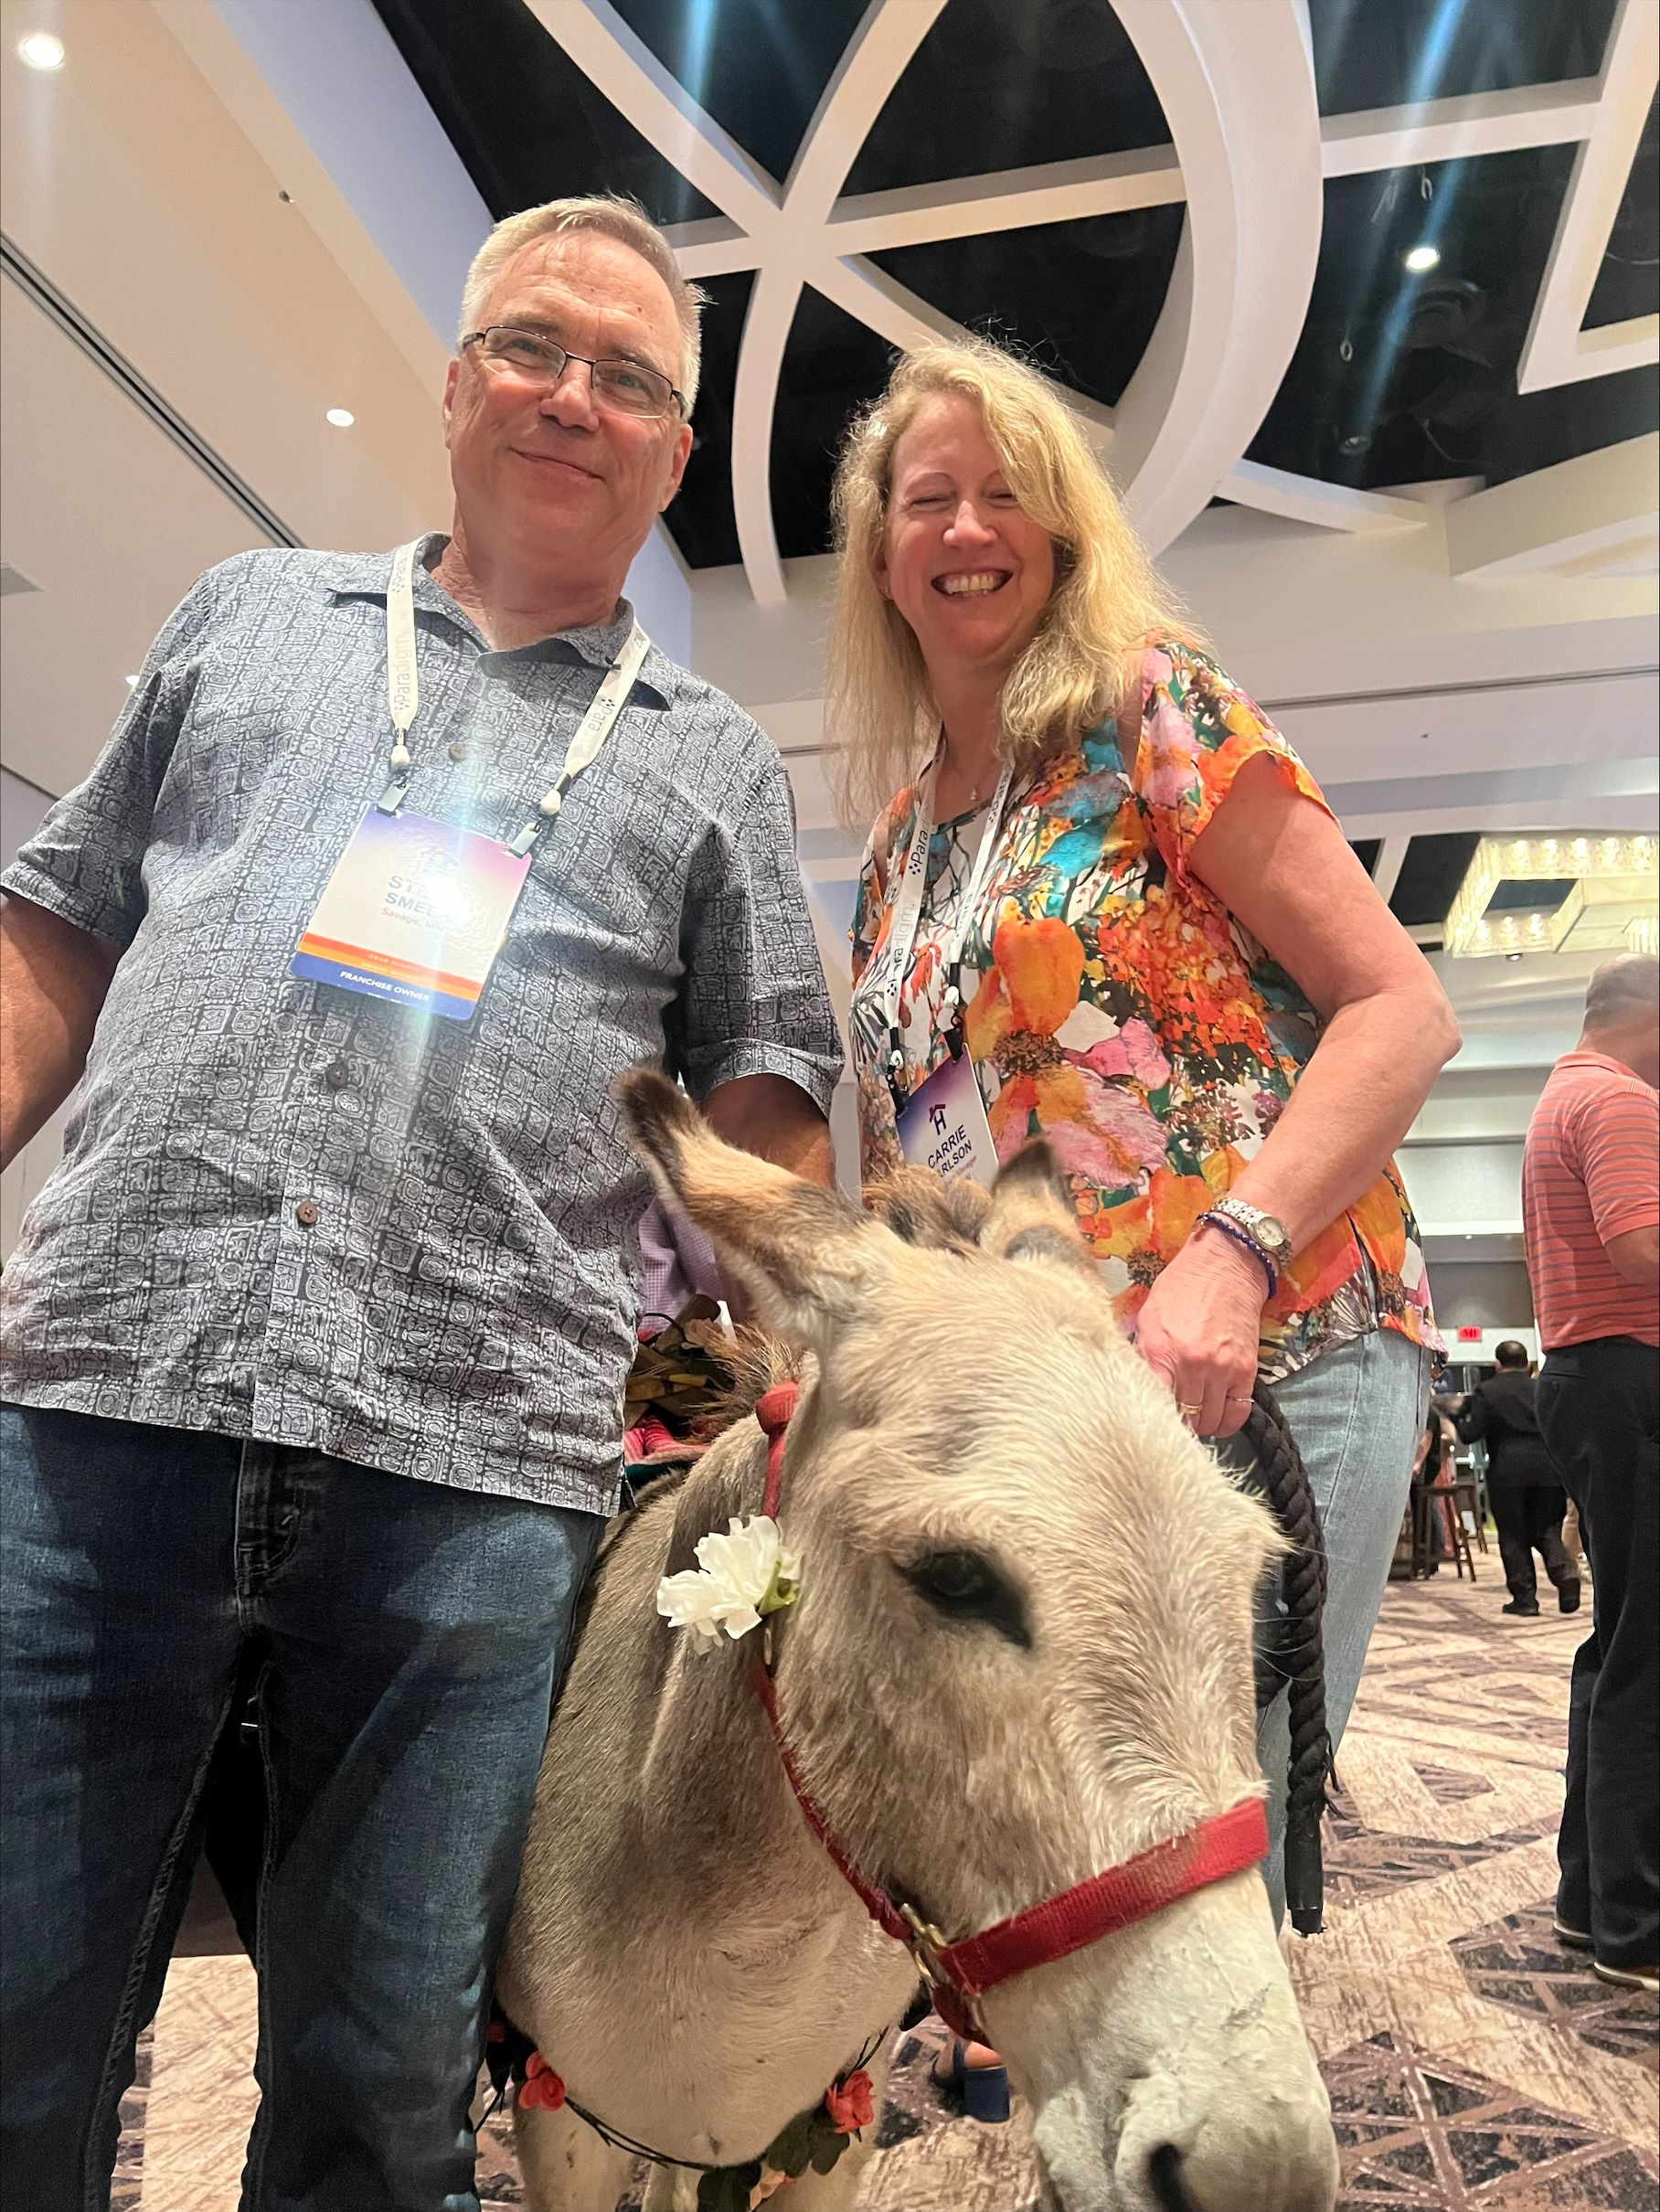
1468	1337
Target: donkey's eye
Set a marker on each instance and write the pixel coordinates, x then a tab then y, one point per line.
965	1587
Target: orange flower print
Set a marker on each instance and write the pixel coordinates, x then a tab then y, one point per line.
1114	978
1096	1131
1383	1229
1031	985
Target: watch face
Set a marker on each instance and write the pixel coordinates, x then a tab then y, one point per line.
1273	1234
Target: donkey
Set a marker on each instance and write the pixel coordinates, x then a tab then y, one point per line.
1021	1653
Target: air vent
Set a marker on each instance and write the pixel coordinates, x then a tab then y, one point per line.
14	580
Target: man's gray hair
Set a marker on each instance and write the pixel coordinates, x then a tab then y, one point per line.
1623	988
613	216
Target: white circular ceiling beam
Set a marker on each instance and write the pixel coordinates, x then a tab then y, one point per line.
1239	289
875	59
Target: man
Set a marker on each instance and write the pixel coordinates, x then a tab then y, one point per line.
315	1343
1590	1209
1528	1500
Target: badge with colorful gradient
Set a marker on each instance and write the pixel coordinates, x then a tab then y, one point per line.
943	1127
415	913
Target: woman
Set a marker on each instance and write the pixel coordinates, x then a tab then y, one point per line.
1115	894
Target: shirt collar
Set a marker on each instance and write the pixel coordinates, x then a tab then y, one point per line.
369	576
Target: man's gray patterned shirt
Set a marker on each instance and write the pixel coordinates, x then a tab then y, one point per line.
290	1211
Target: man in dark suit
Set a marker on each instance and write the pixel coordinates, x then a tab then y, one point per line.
1528	1500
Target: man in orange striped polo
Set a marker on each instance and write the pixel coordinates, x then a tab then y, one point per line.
1591	1205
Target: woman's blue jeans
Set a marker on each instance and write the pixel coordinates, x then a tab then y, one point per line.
409	1637
1357	1413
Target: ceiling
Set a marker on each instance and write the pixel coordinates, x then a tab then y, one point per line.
1418	513
1394	378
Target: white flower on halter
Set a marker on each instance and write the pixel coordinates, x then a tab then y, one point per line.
739	1577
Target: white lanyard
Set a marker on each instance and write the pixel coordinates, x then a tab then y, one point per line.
908	909
403	696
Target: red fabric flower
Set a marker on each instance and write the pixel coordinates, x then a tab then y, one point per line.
541	2086
850	2104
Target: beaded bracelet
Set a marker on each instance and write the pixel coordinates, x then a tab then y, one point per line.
1250	1244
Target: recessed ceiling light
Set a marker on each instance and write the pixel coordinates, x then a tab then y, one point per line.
1421	258
341	417
41	50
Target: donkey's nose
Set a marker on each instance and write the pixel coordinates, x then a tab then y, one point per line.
1304	2180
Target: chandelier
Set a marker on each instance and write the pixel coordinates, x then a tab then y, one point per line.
1579	892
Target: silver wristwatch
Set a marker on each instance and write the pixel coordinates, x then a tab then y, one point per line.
1265	1232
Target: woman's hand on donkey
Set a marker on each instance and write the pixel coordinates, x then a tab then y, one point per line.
1198	1331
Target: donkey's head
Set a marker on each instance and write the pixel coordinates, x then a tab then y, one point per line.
1021	1653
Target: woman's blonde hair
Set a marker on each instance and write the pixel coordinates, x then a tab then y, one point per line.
1108	600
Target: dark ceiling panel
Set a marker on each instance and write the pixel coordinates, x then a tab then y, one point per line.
1629	281
528	122
1430	877
1391	53
757	67
1427	386
701	520
1428	389
831	365
1365	850
1080	298
1000	85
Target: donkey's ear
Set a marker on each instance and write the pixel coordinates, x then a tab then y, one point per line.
811	1260
924	1209
1032	1216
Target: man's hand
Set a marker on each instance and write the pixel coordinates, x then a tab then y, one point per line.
767	1115
53	979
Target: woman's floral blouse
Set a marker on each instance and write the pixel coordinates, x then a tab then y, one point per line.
1116	1007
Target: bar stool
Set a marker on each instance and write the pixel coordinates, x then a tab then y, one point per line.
1446	1496
1468	1498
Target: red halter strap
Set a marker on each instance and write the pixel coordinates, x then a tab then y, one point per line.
959	1974
773	1409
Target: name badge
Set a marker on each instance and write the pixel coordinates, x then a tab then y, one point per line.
943	1126
415	913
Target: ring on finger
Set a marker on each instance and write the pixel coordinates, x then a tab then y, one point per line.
1187	1412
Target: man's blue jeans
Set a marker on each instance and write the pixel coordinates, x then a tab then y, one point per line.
409	1637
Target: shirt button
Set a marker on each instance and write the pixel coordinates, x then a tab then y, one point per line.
458	751
306	1212
338	1075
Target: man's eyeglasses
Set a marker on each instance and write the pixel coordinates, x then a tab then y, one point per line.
628	388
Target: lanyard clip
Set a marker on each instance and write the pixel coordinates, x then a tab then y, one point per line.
894	1069
390	800
951	1008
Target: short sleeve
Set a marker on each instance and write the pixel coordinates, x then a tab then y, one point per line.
1618	1147
1197	730
84	862
753	1000
870	909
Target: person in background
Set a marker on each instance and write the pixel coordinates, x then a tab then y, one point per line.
1528	1500
1433	1459
1112	907
315	1343
1591	1215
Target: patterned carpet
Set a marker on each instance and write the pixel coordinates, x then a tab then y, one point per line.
1475	2065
